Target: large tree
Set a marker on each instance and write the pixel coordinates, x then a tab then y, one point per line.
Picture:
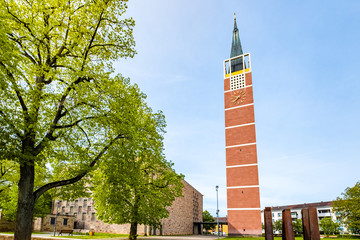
136	184
348	206
61	106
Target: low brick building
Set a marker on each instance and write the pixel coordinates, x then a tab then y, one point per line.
183	214
47	223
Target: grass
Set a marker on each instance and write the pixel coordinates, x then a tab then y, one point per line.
279	238
96	236
258	238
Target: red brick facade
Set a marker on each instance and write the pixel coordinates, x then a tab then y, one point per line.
243	197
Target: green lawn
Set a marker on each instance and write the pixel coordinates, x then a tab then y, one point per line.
96	236
279	238
82	236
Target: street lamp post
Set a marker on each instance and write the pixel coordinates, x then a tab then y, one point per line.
217	210
57	206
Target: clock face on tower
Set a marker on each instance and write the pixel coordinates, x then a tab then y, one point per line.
238	97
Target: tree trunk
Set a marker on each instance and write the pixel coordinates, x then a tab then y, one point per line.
26	202
133	231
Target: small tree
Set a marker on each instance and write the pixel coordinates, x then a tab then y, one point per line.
208	218
297	226
329	226
348	206
277	225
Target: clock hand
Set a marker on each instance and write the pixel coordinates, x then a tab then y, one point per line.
237	98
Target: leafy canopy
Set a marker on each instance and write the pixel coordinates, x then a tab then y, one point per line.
208	218
277	225
62	109
136	186
329	226
348	206
297	226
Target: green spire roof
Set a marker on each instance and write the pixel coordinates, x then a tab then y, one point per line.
236	49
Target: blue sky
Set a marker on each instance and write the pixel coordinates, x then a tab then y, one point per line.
306	66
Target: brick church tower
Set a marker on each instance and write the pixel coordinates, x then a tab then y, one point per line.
243	197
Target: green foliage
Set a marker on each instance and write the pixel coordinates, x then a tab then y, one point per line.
62	109
297	226
277	226
208	218
9	192
329	226
348	206
134	183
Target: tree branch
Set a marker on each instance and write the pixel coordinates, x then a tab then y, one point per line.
75	123
107	45
25	53
26	25
77	178
92	40
59	114
17	90
86	135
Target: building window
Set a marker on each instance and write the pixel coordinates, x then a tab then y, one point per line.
65	222
273	215
85	203
92	216
80	209
67	203
279	214
83	216
75	215
89	209
76	203
63	210
71	210
52	221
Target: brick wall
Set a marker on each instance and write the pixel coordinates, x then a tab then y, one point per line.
182	214
45	224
